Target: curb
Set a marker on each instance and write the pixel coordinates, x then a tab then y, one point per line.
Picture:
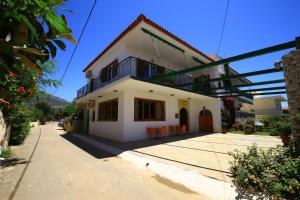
214	189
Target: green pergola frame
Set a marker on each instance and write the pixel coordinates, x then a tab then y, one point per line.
256	94
231	88
255	73
249	84
252	90
272	49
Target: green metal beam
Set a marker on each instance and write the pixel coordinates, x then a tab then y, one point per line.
266	93
161	39
251	54
250	84
252	90
260	72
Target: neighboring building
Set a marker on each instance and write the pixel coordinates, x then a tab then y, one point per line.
234	109
120	102
268	106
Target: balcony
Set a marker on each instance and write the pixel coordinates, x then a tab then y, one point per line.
136	68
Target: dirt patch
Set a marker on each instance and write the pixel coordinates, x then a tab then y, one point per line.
173	185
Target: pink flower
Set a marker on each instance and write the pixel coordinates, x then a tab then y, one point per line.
11	75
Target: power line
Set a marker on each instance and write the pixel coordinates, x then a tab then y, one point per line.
224	22
74	50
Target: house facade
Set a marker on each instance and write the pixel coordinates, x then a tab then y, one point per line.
268	106
120	101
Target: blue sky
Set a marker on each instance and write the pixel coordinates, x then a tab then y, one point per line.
250	25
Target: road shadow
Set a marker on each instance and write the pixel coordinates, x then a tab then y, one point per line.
13	162
90	149
135	145
147	142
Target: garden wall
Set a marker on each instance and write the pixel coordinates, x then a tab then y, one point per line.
4	133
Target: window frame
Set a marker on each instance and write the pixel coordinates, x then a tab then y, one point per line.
111	108
149	102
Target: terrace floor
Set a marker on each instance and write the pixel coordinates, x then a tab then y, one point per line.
204	154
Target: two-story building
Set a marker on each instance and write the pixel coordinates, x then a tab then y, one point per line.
120	101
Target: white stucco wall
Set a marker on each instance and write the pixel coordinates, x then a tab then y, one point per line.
136	130
108	129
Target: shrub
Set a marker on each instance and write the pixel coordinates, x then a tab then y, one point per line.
6	153
274	132
35	115
18	117
284	126
265	174
224	125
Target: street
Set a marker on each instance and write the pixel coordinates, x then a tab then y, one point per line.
62	167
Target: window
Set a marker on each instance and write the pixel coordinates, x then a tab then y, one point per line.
149	110
108	110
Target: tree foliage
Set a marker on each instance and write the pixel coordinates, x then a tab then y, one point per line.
30	33
68	111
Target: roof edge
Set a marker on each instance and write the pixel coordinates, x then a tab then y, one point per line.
137	21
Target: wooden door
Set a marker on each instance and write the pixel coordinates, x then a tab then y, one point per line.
183	118
205	121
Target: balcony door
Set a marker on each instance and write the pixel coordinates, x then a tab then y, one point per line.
146	69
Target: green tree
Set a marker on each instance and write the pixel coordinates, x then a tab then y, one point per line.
46	110
30	33
67	111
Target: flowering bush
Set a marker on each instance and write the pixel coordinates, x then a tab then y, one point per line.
266	174
19	119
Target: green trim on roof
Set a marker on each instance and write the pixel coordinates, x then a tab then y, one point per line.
163	40
198	60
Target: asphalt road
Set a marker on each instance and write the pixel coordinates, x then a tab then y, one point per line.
60	166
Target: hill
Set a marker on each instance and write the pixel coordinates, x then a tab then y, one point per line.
54	101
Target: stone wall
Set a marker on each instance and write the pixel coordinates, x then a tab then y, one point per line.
291	63
4	133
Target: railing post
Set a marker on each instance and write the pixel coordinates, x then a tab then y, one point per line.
291	63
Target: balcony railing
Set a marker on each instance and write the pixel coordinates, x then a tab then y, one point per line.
129	66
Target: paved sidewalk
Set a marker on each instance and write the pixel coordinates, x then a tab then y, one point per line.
63	167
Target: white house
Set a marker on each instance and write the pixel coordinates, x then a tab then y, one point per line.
119	100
